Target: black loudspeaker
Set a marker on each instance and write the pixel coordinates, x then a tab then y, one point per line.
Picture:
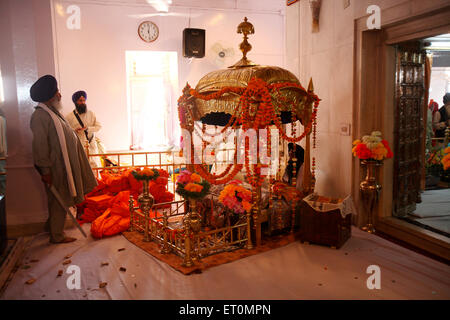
193	43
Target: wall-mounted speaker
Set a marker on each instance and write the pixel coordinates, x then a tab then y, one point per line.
193	43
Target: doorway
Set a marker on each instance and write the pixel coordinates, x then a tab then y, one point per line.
374	107
432	210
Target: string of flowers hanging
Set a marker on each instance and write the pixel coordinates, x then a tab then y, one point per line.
256	110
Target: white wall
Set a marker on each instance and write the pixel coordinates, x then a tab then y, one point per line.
327	57
93	58
25	53
440	77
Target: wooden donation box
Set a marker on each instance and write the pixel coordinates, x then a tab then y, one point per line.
326	221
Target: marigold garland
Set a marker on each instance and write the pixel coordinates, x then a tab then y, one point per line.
220	179
255	110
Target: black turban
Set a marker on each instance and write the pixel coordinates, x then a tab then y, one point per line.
77	96
44	88
446	98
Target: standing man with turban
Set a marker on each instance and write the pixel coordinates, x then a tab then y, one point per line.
58	156
85	124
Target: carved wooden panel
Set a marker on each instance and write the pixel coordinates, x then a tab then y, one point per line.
408	129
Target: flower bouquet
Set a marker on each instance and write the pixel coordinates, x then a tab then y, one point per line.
236	198
146	174
237	201
372	147
191	185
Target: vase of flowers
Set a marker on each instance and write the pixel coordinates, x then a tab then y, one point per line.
238	202
191	187
371	150
236	198
145	199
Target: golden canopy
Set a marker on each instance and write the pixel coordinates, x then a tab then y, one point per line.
218	111
253	96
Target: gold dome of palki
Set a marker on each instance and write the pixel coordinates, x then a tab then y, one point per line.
288	97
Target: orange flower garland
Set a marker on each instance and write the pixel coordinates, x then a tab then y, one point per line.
259	93
211	178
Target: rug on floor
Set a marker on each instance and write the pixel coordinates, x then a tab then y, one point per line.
175	261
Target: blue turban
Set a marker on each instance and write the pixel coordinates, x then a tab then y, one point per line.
44	88
77	96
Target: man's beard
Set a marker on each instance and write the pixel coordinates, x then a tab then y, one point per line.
81	108
57	105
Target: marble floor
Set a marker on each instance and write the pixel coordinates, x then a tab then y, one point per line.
296	271
434	210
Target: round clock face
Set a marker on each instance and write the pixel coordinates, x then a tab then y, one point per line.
148	31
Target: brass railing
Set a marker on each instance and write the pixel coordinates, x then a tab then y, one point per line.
166	227
166	222
167	160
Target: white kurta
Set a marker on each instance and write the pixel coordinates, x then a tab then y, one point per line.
93	126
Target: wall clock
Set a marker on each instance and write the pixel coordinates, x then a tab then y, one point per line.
148	31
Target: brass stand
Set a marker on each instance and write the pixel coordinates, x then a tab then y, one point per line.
131	208
255	212
187	262
165	248
370	191
192	225
249	232
146	202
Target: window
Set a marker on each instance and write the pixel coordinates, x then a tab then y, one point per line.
152	92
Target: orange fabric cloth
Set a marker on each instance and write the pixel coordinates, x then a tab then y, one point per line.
93	207
107	207
115	219
135	185
115	182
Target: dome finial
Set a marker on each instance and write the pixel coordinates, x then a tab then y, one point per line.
246	28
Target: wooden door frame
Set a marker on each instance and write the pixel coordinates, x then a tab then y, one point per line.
373	108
